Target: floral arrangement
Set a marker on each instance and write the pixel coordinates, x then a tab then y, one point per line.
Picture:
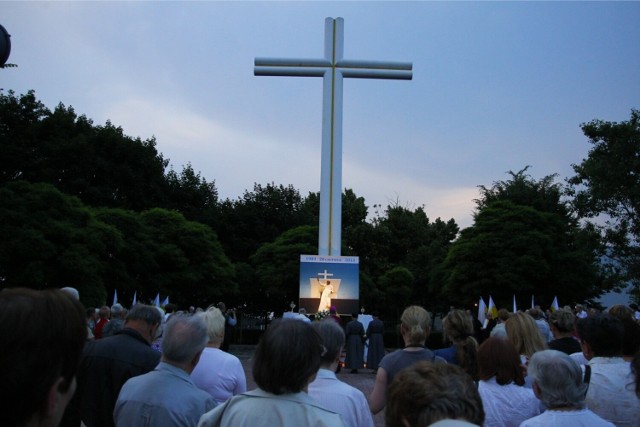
322	314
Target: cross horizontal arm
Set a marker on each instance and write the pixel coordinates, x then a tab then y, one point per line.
361	73
289	71
278	62
375	65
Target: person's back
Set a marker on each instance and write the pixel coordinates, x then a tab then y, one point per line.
167	396
375	335
330	392
354	332
282	372
108	363
610	394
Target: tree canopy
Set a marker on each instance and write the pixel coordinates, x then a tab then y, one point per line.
524	242
85	205
606	188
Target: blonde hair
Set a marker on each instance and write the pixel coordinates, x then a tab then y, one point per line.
214	319
524	334
458	329
416	321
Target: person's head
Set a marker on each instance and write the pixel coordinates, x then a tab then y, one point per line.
43	333
332	337
215	321
503	315
535	313
145	319
427	392
523	333
621	311
557	379
287	357
563	321
601	335
170	308
104	312
72	292
117	311
302	310
185	337
415	325
458	329
222	306
333	310
354	316
498	358
631	336
579	308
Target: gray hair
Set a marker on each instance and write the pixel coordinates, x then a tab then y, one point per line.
184	337
558	377
332	337
72	292
215	321
116	310
147	313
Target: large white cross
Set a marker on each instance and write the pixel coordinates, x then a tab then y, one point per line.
332	68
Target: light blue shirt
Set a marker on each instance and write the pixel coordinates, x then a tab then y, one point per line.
164	397
341	398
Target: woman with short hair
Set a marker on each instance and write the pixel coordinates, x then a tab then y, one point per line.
286	360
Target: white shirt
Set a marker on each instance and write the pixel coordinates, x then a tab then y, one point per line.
611	393
579	418
507	405
341	398
220	374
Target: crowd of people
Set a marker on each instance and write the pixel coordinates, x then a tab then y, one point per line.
62	365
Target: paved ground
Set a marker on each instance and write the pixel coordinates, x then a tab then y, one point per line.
362	381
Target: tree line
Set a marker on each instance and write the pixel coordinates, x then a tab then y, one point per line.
85	205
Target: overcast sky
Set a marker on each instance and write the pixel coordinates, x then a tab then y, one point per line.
497	86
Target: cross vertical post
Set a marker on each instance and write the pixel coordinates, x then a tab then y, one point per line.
332	68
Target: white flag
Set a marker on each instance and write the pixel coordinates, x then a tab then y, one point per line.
554	304
482	311
115	297
166	301
515	308
135	298
156	301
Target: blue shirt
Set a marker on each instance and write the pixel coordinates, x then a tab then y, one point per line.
164	397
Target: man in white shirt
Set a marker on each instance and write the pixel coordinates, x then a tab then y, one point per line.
611	393
330	392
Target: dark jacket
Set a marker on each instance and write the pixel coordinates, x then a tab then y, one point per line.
106	365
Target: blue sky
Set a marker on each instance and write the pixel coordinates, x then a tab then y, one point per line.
497	86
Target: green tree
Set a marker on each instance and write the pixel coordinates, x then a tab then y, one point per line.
606	187
191	265
258	217
277	267
407	238
50	240
190	194
523	242
98	164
